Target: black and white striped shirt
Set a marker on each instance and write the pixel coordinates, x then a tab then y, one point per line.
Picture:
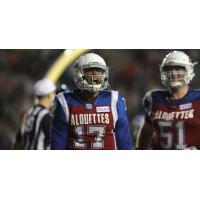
35	129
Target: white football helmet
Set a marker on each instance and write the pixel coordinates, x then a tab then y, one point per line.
88	61
180	59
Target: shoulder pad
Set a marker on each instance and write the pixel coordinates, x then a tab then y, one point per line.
147	100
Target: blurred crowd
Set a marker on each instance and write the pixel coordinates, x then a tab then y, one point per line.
132	72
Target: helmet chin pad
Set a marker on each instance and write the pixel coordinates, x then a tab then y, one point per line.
176	84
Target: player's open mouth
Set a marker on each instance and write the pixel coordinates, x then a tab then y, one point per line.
96	80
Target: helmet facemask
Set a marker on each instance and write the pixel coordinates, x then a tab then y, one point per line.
174	78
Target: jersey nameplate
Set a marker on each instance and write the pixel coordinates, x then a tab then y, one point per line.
185	106
103	109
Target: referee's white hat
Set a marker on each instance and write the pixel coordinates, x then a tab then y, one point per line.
44	87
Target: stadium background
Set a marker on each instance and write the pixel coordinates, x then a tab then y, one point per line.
132	72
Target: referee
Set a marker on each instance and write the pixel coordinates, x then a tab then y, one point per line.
34	133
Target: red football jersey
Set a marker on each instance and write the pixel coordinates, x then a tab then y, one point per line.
91	128
176	123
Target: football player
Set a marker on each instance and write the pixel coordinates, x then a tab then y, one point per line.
172	115
90	117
